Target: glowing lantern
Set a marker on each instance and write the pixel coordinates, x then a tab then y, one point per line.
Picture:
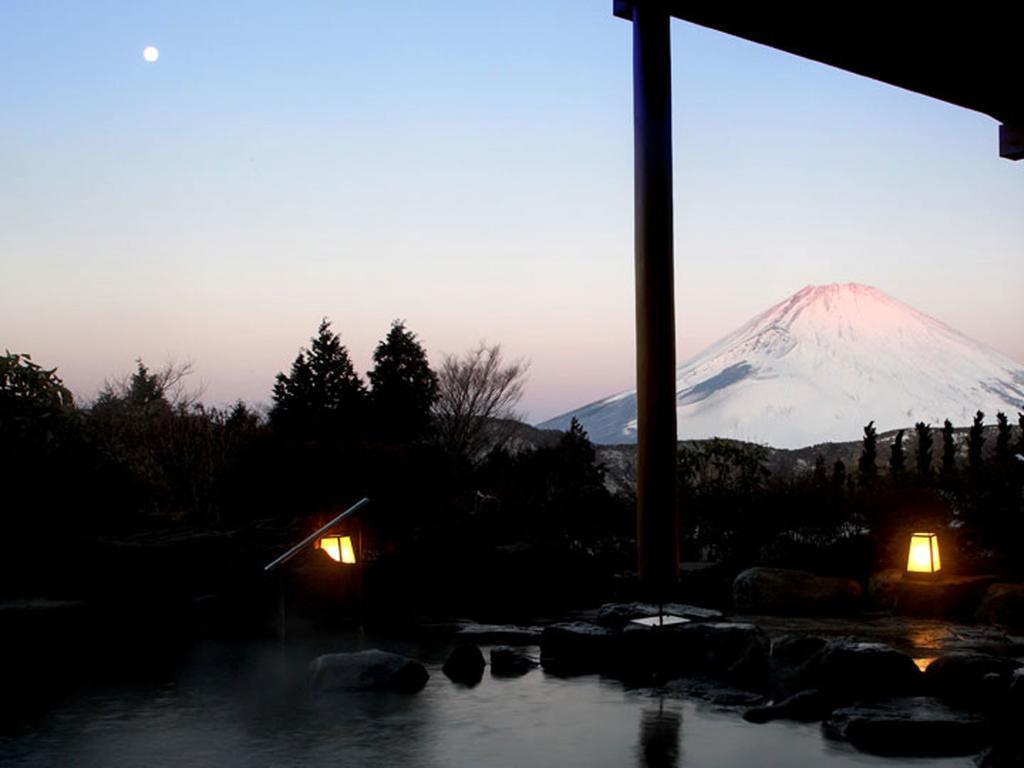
924	553
338	548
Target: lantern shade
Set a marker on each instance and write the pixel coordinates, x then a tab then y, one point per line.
339	548
924	553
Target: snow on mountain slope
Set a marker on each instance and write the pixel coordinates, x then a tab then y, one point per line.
817	367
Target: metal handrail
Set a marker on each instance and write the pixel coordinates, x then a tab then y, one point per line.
309	539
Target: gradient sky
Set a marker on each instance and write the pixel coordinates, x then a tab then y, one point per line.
465	166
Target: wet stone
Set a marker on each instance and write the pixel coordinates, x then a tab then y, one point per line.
733	651
911	727
465	664
970	678
796	663
505	634
618	615
779	591
851	670
576	647
804	707
507	661
950	598
1003	605
371	670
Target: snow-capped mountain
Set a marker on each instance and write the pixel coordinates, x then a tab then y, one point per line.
817	367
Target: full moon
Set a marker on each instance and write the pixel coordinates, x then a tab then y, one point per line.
150	53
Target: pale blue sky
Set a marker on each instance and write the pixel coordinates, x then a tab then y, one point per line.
466	166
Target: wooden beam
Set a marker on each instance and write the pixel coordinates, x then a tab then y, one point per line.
657	518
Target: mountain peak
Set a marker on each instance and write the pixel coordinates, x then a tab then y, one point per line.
819	365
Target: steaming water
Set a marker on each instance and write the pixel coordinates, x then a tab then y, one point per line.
247	706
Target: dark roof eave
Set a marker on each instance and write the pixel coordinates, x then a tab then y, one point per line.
967	59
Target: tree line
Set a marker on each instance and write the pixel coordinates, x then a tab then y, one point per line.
434	448
963	483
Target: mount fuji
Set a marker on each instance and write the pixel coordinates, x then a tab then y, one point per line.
819	366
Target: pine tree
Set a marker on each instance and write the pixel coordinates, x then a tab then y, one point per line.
145	389
1020	434
820	477
924	450
1002	439
578	453
838	476
948	450
577	484
404	388
897	460
866	466
323	396
975	441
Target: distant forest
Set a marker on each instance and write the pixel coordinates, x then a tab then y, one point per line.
449	469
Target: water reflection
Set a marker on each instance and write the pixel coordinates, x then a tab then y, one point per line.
923	662
659	737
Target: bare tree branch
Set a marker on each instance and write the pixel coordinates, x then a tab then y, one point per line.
476	392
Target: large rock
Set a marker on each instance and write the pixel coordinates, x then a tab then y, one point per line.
1008	749
883	589
576	647
849	670
732	651
507	661
618	615
735	651
465	664
1015	692
970	678
371	670
843	669
947	597
1009	754
804	707
1003	604
789	593
505	634
917	727
796	663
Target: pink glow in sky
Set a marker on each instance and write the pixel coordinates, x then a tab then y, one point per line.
464	168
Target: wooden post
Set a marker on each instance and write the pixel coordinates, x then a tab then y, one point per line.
657	518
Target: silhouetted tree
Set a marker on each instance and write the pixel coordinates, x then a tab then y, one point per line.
29	385
578	482
578	451
475	393
838	476
39	433
975	441
1020	434
820	477
322	397
404	388
242	418
1003	430
721	487
924	450
161	452
897	460
866	467
31	397
948	450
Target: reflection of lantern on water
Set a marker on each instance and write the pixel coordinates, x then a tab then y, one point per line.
924	554
338	548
